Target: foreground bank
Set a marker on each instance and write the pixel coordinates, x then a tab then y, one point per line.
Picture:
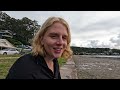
69	70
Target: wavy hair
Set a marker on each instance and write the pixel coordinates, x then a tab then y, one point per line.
36	43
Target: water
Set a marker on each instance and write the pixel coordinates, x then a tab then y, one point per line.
106	56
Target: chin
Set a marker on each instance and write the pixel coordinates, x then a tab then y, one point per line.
57	56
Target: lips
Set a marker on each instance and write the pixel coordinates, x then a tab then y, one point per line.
57	50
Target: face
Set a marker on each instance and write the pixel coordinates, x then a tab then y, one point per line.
55	40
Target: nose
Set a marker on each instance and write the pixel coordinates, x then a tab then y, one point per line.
60	41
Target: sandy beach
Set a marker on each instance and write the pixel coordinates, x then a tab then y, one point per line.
97	68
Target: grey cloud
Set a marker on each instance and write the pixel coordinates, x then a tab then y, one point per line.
103	25
95	44
116	41
119	36
73	44
104	45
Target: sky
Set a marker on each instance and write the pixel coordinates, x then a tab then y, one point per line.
95	29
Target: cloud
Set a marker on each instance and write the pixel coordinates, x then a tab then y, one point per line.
98	44
103	25
93	43
116	41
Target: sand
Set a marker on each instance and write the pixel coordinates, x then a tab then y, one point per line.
96	68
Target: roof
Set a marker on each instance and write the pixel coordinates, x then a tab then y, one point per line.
6	43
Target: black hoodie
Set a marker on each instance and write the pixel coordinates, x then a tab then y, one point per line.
33	67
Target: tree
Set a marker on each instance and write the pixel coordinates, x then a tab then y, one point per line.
23	29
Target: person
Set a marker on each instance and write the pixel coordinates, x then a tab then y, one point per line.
51	42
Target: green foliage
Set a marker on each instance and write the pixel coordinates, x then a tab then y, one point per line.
61	61
23	29
85	51
14	41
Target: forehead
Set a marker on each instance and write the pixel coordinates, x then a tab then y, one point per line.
58	25
57	28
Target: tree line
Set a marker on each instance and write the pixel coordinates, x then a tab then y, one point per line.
94	51
23	29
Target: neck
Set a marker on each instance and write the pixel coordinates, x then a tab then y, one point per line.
50	63
47	58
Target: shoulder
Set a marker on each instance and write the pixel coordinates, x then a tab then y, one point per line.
25	59
23	66
25	62
26	56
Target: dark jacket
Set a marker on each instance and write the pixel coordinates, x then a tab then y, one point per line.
33	67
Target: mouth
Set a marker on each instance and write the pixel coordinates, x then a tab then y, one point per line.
57	50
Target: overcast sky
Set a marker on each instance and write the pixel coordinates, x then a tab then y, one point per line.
88	28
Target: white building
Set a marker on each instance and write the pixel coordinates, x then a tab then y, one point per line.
5	44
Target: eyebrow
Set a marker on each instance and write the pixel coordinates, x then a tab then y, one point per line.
53	34
56	34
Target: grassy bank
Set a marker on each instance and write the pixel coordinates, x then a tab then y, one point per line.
6	61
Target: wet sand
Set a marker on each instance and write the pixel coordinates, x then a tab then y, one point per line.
97	68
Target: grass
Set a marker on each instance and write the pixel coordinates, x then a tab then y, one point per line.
6	61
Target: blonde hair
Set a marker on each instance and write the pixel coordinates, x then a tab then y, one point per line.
38	47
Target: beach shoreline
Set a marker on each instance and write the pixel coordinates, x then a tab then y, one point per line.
89	67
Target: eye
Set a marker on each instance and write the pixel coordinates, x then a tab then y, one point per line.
64	38
53	36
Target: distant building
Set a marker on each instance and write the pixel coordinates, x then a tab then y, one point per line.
6	33
5	44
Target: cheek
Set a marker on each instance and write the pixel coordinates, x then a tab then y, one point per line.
65	45
48	43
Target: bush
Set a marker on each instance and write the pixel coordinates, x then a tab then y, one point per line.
14	41
61	61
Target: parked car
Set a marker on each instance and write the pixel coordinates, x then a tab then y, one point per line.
24	49
10	51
